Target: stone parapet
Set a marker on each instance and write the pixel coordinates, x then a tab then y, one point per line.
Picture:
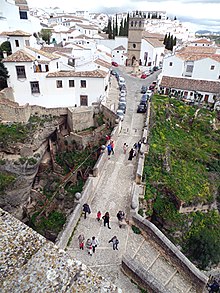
171	251
30	263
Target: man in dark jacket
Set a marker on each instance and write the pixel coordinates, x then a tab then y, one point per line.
86	209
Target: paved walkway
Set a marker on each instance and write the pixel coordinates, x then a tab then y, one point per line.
112	194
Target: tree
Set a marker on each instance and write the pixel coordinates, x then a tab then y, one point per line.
202	244
110	36
121	29
174	42
126	28
5	47
3	76
165	40
113	30
46	34
116	26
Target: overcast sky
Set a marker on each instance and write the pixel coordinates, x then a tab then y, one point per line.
205	13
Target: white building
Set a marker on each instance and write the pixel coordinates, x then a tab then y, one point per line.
57	77
119	55
193	73
14	15
152	50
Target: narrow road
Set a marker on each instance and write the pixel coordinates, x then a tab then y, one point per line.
112	194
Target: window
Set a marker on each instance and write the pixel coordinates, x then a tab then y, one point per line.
71	83
20	71
212	67
16	43
57	65
23	14
132	23
117	51
59	83
35	87
27	43
171	64
83	100
189	68
134	45
46	68
83	83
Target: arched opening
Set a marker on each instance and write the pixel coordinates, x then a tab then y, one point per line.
132	60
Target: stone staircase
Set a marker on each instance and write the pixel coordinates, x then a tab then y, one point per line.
155	267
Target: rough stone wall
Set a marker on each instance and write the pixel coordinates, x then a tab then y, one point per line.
7	93
30	263
109	115
80	118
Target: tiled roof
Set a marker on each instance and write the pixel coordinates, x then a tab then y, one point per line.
120	48
23	8
192	53
103	63
57	49
71	73
18	33
43	53
90	27
20	56
153	35
82	36
156	43
73	19
18	2
202	41
198	50
109	55
189	84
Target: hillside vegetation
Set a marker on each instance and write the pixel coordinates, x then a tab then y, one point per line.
183	168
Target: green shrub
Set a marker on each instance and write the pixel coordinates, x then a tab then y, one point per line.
141	212
22	160
2	161
32	161
135	229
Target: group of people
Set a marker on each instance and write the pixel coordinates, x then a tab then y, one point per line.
133	151
110	148
92	243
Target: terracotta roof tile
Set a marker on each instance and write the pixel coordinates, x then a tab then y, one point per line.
19	56
192	53
71	73
57	49
189	84
103	63
90	27
51	56
18	2
156	43
202	41
18	33
120	48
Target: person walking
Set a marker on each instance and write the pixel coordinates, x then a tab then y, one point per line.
106	219
109	149
112	146
115	242
95	243
81	239
131	154
86	209
125	147
98	216
89	246
120	216
139	145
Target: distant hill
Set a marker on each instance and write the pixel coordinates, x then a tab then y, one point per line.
206	32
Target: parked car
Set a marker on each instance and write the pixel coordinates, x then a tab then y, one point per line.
122	106
120	114
122	99
143	89
123	91
152	86
114	72
114	63
155	68
122	87
122	94
141	108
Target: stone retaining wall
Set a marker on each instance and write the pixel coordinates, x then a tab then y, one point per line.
71	222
